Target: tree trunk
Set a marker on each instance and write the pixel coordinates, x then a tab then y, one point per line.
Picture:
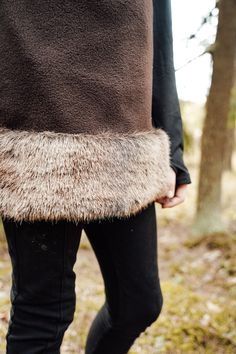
231	127
228	165
213	144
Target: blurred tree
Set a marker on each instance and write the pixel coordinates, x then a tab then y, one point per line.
229	149
214	136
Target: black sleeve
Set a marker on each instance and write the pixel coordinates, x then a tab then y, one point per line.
165	103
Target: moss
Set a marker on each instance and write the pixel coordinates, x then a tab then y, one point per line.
222	240
193	323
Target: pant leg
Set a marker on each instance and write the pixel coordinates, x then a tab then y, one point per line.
126	250
43	284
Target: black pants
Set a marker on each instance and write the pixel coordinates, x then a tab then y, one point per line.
43	282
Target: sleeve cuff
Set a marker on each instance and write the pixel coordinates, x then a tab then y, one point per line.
182	175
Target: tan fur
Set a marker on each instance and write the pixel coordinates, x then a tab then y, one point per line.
81	177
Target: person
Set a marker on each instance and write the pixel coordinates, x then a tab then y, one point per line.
90	138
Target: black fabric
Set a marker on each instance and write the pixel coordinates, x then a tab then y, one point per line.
165	104
43	282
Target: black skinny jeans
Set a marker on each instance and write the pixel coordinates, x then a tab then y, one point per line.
43	282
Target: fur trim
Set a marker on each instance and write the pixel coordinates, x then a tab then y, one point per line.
81	177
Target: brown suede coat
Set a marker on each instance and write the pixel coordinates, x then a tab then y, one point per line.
76	134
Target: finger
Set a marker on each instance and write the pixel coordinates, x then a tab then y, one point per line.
179	197
170	193
161	200
172	184
173	202
181	190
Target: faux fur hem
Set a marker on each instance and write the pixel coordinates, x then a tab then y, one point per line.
81	177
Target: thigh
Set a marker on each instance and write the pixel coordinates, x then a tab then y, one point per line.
41	253
43	284
126	249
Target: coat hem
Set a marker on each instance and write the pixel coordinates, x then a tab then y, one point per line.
81	177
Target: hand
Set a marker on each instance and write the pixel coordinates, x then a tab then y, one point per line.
173	197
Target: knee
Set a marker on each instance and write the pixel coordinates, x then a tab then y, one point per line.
151	311
69	306
142	314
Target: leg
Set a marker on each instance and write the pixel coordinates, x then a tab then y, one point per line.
42	292
126	250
